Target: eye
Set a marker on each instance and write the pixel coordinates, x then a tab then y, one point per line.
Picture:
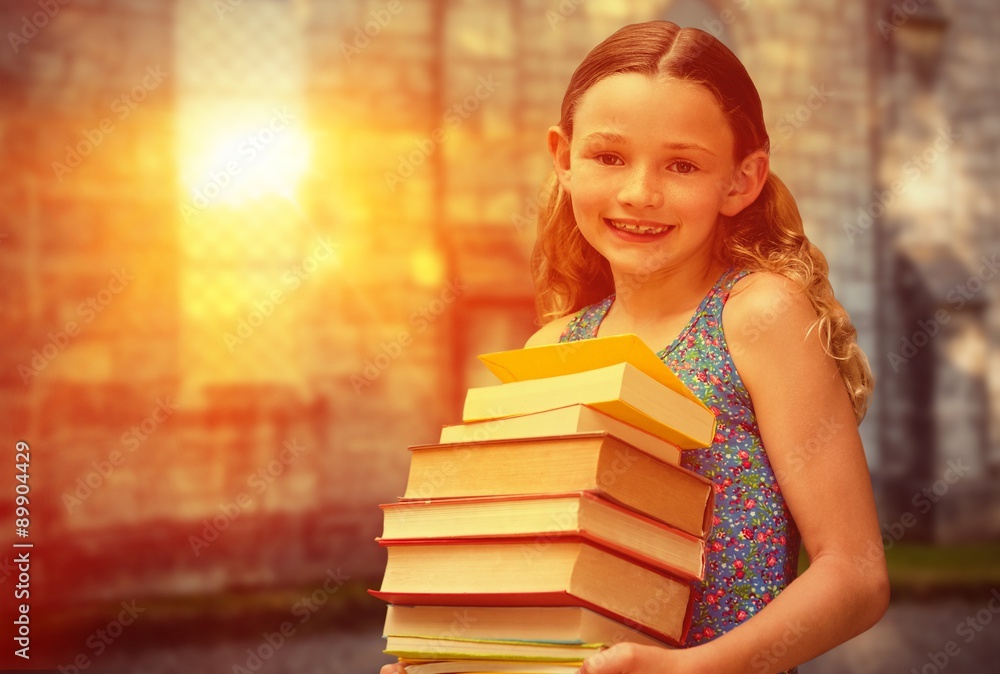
608	159
684	167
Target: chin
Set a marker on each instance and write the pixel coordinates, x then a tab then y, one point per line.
636	263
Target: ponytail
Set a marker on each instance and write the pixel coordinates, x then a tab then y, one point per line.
769	236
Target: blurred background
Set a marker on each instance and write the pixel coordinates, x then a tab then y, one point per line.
249	250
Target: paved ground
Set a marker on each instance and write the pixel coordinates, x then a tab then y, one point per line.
915	636
900	644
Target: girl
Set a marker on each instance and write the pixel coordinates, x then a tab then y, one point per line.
665	221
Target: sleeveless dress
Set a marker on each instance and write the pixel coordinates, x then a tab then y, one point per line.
752	551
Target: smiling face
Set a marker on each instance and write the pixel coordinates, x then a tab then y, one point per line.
649	169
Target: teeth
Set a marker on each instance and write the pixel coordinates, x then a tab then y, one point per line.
637	229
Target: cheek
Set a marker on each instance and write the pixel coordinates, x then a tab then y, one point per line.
589	197
701	201
593	189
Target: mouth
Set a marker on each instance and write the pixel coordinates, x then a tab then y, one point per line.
638	228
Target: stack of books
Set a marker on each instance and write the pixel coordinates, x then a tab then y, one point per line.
555	521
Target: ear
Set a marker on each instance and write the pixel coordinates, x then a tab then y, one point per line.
748	180
558	143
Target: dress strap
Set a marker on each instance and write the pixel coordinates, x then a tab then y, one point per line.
725	286
585	323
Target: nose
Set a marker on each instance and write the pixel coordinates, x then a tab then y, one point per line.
640	188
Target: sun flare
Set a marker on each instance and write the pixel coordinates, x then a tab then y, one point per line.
232	162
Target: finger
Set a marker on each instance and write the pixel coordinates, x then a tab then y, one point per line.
614	660
394	668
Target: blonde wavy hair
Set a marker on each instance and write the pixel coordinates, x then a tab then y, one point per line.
766	236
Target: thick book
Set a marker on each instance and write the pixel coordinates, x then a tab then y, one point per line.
582	462
569	573
562	421
621	391
538	520
484	666
441	648
564	624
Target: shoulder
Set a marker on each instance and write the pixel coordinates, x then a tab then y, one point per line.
765	300
762	288
550	332
770	323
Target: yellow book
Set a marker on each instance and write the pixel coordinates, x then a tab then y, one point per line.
620	390
458	648
560	624
489	666
553	360
562	421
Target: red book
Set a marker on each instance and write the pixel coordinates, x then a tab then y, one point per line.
580	462
567	572
533	521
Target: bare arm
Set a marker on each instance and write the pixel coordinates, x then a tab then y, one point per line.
808	428
550	332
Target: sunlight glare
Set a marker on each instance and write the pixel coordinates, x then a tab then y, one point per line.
237	162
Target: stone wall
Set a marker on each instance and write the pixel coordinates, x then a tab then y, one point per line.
426	124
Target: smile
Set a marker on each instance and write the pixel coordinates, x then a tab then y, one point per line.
634	228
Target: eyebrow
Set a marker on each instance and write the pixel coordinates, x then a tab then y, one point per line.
622	140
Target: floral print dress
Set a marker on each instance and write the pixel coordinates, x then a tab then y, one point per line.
752	551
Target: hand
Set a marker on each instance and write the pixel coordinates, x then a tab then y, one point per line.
629	658
394	668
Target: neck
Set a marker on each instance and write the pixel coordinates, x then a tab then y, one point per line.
646	299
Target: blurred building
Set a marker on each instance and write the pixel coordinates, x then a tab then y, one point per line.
234	227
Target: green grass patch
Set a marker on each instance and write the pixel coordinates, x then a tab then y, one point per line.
961	565
929	566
